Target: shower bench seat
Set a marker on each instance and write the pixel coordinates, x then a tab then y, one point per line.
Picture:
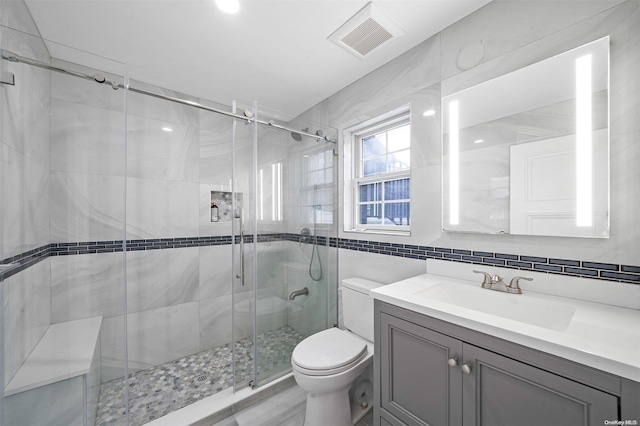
59	382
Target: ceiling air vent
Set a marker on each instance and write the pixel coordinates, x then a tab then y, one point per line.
366	30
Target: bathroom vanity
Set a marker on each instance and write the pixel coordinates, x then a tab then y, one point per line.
448	352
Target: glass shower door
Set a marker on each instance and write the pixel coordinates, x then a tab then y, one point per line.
293	193
242	279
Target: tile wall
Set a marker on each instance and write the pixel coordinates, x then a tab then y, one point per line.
24	165
514	34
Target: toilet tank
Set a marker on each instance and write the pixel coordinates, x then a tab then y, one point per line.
357	306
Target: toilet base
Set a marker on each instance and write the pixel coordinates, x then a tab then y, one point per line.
331	408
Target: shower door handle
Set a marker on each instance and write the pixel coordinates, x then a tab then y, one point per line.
240	275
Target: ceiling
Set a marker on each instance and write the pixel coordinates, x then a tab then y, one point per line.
274	51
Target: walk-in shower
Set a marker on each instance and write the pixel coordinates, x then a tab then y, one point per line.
112	255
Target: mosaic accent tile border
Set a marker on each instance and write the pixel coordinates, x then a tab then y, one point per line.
586	269
580	268
25	260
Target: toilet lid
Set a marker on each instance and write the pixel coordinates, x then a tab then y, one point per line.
328	352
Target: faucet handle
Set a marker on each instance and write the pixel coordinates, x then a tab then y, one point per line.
514	285
488	281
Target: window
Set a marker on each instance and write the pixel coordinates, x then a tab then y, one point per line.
316	204
382	175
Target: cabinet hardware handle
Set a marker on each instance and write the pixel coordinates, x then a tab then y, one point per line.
453	362
466	368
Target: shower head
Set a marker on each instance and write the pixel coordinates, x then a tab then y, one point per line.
297	136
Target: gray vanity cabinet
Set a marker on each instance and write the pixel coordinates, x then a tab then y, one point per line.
429	372
502	391
417	387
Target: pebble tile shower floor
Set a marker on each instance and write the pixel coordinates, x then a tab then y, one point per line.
165	388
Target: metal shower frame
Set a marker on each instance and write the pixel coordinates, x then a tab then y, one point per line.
99	78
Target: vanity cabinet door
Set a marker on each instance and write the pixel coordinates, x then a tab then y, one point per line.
418	386
502	391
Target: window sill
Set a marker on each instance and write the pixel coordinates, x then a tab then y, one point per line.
401	233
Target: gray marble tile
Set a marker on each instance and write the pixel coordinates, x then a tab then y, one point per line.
154	337
157	154
161	278
27	314
505	26
86	92
161	335
86	139
158	109
286	407
547	45
86	207
84	286
16	15
624	63
215	322
26	186
26	110
216	150
215	271
59	403
413	70
112	352
161	209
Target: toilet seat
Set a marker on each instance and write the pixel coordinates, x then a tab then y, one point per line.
328	352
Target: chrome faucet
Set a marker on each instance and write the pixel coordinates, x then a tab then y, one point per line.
294	294
496	283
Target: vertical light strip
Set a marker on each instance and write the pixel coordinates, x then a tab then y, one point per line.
454	184
261	194
279	182
274	192
584	148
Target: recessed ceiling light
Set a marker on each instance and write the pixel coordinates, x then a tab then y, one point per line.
167	129
429	112
478	141
228	6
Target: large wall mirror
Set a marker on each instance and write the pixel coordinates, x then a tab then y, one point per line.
528	152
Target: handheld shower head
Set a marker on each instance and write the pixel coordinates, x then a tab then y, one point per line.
297	136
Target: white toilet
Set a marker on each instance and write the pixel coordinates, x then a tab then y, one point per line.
334	366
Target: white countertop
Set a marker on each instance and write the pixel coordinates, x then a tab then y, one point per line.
601	336
64	351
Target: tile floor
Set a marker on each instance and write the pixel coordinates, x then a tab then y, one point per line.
168	387
285	408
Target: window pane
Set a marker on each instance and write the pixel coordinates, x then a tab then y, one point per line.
398	213
399	161
374	166
314	178
399	138
397	189
370	192
374	145
370	214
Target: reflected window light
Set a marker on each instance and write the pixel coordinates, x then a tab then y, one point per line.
429	112
478	141
454	201
261	194
279	187
167	129
584	149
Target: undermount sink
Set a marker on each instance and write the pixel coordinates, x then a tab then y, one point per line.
550	315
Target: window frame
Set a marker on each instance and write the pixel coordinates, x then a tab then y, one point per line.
382	125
